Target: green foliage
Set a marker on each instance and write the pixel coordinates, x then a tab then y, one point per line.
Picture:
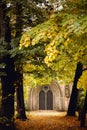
63	38
5	121
36	75
81	98
57	44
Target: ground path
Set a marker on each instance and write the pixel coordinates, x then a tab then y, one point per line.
48	120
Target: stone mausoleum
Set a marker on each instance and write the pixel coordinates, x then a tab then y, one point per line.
49	97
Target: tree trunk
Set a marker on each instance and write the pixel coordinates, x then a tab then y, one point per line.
19	90
2	24
20	97
83	114
74	94
8	90
7	81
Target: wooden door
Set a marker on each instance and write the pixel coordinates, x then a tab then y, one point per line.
49	100
42	100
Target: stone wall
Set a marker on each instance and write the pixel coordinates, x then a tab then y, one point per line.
61	96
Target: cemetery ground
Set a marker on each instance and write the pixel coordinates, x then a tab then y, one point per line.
49	120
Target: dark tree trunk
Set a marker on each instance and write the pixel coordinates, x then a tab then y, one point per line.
79	114
19	90
7	80
74	94
20	97
2	24
8	90
83	114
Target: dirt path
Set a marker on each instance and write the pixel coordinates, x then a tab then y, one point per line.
48	120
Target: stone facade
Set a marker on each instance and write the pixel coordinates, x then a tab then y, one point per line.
49	97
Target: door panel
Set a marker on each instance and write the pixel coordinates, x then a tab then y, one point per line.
49	100
42	100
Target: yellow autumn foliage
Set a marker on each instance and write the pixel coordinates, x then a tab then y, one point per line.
25	41
41	33
58	35
83	81
29	67
52	53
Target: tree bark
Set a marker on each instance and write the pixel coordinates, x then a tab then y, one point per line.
8	90
7	81
19	90
2	17
74	94
20	97
83	114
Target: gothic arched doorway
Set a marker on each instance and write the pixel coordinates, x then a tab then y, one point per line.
45	99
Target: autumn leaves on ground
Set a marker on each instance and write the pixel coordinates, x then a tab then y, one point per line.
49	120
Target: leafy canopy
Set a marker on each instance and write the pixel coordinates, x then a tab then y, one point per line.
64	34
